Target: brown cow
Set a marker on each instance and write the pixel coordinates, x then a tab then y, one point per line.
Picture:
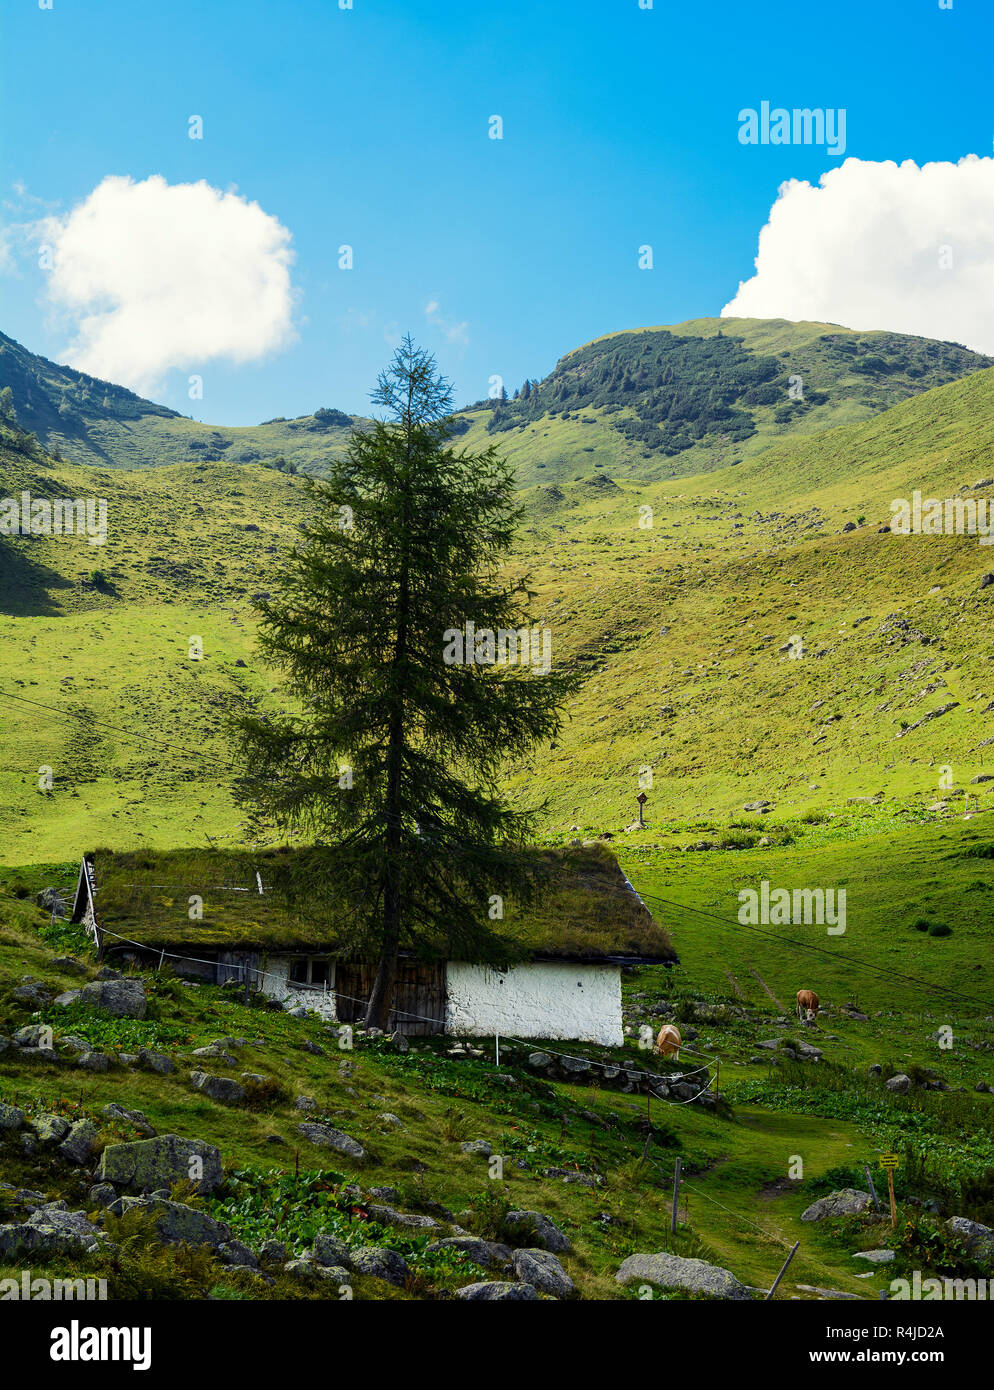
807	1005
669	1041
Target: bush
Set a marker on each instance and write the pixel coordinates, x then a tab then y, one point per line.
940	929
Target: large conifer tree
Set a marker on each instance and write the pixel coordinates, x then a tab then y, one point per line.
392	765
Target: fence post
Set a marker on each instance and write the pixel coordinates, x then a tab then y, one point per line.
783	1271
496	1049
873	1190
676	1195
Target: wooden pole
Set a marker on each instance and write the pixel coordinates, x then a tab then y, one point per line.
676	1195
893	1204
873	1190
783	1271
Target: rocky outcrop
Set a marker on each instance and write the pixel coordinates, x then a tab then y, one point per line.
496	1292
544	1272
119	998
675	1272
328	1138
540	1230
848	1201
149	1164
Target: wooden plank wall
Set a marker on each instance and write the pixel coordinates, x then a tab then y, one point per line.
420	991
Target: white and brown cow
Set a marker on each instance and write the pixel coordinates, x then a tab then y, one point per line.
807	1005
669	1041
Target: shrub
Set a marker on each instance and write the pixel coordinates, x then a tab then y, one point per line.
940	929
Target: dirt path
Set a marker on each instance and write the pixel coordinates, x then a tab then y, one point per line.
768	990
736	987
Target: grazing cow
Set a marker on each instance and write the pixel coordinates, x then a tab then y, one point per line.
807	1005
669	1041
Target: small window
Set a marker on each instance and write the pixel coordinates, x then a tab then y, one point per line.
319	974
298	971
307	973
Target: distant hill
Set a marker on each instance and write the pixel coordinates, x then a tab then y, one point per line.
658	403
89	421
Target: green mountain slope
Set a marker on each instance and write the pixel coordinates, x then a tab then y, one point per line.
91	421
670	402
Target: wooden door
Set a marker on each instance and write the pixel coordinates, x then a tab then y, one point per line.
418	1001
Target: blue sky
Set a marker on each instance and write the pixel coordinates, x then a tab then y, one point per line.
370	127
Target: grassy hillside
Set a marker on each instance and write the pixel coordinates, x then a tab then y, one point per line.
659	403
412	1111
88	421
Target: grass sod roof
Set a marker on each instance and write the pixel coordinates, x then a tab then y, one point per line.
588	912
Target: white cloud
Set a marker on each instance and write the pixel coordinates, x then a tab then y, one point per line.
158	276
449	328
867	248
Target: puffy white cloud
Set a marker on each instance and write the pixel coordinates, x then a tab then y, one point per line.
882	245
157	276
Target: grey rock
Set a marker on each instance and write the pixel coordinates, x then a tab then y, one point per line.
305	1103
978	1239
11	1117
327	1138
848	1201
477	1146
132	1117
542	1231
481	1252
93	1061
119	998
233	1252
156	1061
674	1272
50	1129
875	1257
102	1195
380	1263
387	1216
544	1272
66	998
215	1050
78	1145
329	1250
175	1222
496	1292
33	1035
69	965
148	1164
899	1083
51	1231
219	1088
273	1250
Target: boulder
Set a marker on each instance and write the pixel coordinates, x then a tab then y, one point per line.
68	965
380	1263
93	1061
233	1252
219	1088
156	1061
176	1222
11	1117
542	1231
119	998
481	1252
978	1239
329	1250
848	1201
131	1117
387	1216
51	1230
50	1129
495	1292
78	1145
875	1257
899	1083
148	1164
675	1272
33	1035
217	1051
477	1146
544	1272
66	998
327	1138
